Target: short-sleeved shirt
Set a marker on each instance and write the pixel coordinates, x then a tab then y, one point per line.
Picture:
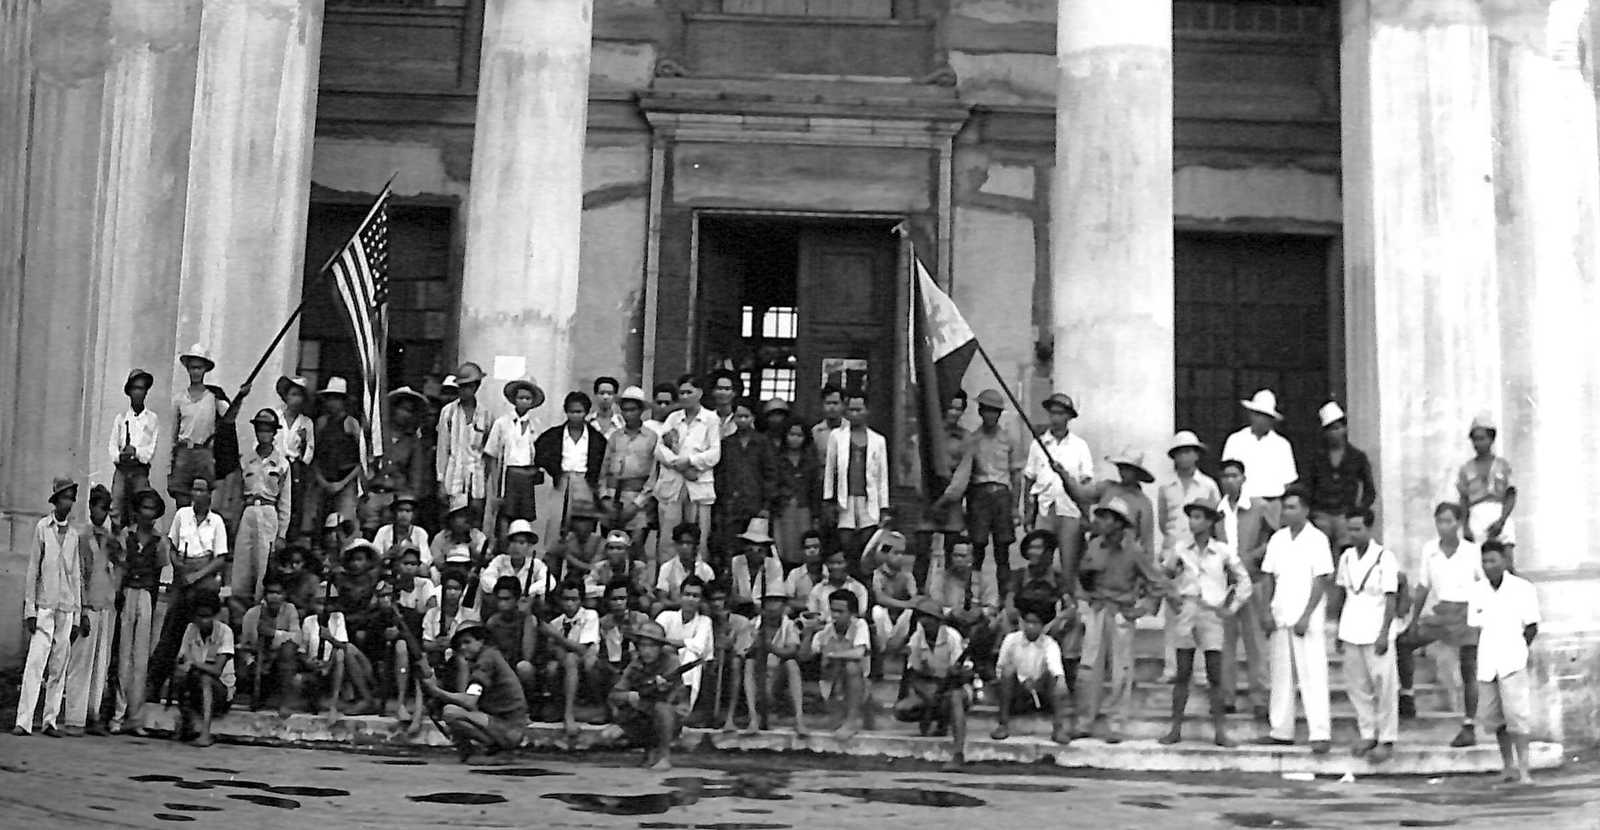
1176	494
582	628
818	599
511	439
1268	462
1367	580
1119	574
446	548
311	640
1205	574
1295	562
799	582
786	635
995	457
192	538
507	633
1029	659
1072	453
385	539
197	649
1502	614
1453	578
856	636
497	687
614	644
674	572
937	659
531	576
640	677
901	584
285	627
955	594
197	419
1478	486
418	596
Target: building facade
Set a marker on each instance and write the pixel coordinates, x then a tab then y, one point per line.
1156	206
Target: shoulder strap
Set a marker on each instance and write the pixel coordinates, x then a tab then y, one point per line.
1377	560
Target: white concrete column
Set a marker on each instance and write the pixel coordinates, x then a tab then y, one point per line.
16	120
520	289
1419	247
145	122
249	183
1111	220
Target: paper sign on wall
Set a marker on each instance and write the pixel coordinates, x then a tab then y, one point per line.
509	367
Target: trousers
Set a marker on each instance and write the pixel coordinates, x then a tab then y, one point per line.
46	666
88	667
258	530
1300	664
1373	685
133	655
1107	636
1245	627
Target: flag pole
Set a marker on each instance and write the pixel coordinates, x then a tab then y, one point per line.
1015	404
299	309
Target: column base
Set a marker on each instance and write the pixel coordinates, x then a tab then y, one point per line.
1566	659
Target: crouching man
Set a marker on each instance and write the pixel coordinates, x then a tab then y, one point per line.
651	701
938	689
492	712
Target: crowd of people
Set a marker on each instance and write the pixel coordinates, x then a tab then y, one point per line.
656	560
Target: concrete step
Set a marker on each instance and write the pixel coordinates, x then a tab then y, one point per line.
894	740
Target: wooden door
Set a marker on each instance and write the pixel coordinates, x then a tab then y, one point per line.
847	319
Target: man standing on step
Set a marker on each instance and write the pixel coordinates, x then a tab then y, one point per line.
1339	479
1265	453
1370	577
1201	568
1246	527
991	471
1295	577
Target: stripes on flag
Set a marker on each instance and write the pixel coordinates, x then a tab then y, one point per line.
361	272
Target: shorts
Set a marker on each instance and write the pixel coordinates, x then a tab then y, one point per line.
188	464
193	695
1196	627
516	498
504	733
854	514
1445	623
1506	701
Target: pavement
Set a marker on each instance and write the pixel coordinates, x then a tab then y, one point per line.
126	782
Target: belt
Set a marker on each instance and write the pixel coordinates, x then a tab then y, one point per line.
992	484
260	501
186	444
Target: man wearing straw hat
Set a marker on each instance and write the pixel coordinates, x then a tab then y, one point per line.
338	463
402	467
264	525
1265	453
298	443
651	701
1339	478
990	473
197	410
133	445
627	467
509	457
51	601
1187	486
1059	461
463	427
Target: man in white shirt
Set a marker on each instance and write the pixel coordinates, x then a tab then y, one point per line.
508	454
1505	608
688	452
855	479
1295	577
1451	571
575	635
1202	567
758	571
1370	577
1049	504
133	444
1247	528
694	630
1031	674
1265	453
1187	486
605	418
393	539
298	443
520	562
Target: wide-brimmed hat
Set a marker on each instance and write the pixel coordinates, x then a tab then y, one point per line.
472	627
992	399
62	484
618	537
449	382
893	539
403	497
635	394
775	405
1483	420
1185	439
458	503
1265	402
1330	413
652	631
1061	400
285	383
198	352
144	497
522	527
1204	505
406	393
469	373
930	607
512	387
267	418
773	593
359	543
758	531
138	376
1116	506
1135	459
335	386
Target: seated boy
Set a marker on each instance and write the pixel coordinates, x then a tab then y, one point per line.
573	639
670	577
617	562
844	645
521	563
769	645
650	701
328	662
515	631
204	675
269	645
616	625
893	588
491	711
1030	673
938	673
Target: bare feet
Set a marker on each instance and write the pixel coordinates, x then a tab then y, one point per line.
401	713
750	729
845	732
728	727
204	740
661	764
800	730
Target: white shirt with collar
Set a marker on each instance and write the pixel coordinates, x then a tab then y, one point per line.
1295	563
193	538
1269	466
298	438
1072	453
699	439
1453	578
531	576
1029	659
1367	579
1230	518
511	439
606	425
1501	614
141	429
574	452
582	628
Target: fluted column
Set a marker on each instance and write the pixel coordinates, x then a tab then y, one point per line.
1111	219
16	120
520	289
249	181
1420	266
145	123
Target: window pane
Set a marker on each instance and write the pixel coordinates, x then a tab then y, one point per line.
748	326
780	322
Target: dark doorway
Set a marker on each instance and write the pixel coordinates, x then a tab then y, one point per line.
1252	313
793	303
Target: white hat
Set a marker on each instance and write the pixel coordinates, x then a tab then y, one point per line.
1330	414
198	352
335	386
1265	403
1185	439
634	393
757	532
1483	420
522	527
449	382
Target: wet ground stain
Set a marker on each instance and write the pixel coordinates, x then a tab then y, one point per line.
997	786
331	769
193	785
719	825
517	772
404	762
156	779
10	768
191	808
648	804
458	798
1423	822
757	787
174	817
911	796
267	800
223	770
752	811
1262	820
312	792
102	808
1149	805
1214	795
237	784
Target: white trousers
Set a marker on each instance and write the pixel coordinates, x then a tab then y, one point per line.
1300	664
46	667
133	655
1373	684
888	628
88	668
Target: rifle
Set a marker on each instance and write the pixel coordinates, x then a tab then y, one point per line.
419	658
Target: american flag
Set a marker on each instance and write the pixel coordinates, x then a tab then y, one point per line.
361	271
